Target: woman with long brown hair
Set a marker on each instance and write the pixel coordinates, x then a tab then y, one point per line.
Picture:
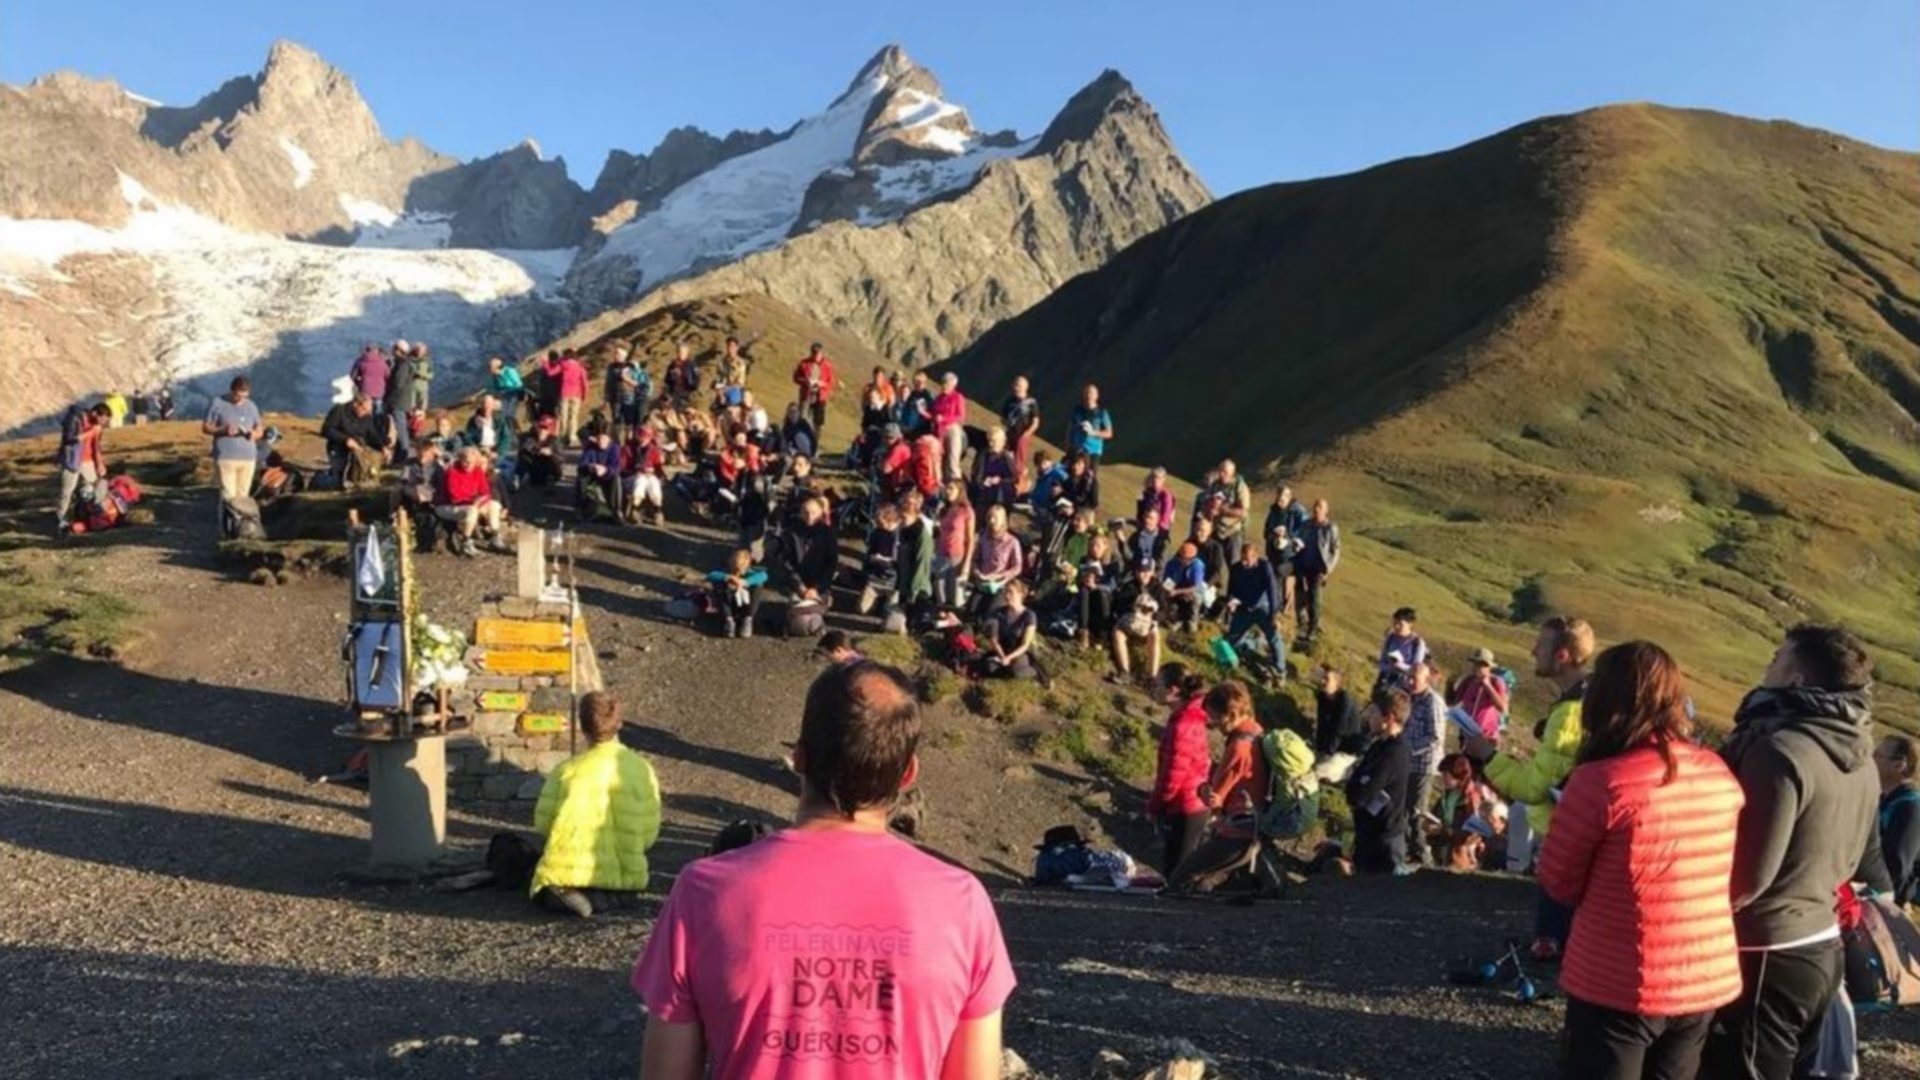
1642	850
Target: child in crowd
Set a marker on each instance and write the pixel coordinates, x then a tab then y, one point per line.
881	565
1402	649
736	593
1456	834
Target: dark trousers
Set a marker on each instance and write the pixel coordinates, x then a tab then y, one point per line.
1096	611
1378	845
1212	863
817	412
1606	1044
1552	919
1774	1026
1173	839
1306	600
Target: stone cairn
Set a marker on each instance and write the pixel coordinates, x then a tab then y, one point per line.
527	667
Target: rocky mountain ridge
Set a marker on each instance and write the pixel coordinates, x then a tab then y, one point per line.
273	227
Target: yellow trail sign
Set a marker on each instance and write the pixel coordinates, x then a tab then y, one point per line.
526	662
517	633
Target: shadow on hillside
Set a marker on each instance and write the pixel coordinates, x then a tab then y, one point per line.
281	730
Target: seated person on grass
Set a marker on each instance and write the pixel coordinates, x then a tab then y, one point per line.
1136	623
464	499
1008	636
598	812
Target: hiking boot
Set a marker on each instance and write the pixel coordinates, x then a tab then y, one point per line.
733	628
571	901
1083	639
466	550
746	628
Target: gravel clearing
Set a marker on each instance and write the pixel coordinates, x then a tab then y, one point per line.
177	899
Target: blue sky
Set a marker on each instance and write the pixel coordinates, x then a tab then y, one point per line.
1252	92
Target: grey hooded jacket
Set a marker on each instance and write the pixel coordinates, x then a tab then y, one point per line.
1805	761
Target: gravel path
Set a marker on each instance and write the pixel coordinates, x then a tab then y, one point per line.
175	903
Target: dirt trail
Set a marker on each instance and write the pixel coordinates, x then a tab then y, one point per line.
174	904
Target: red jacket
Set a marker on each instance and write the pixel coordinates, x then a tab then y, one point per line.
464	487
1183	763
1647	867
808	371
926	465
896	469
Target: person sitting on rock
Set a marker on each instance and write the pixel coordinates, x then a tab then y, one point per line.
357	441
540	454
598	478
464	499
599	812
643	469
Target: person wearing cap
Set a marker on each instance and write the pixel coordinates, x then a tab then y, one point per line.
1136	623
813	375
540	454
1481	695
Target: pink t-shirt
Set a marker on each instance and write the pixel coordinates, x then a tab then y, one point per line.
825	953
949	408
950	541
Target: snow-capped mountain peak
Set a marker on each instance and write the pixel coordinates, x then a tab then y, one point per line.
887	143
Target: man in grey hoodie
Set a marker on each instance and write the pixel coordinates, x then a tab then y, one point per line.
1802	746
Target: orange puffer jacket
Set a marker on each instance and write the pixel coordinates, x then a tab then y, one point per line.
1646	866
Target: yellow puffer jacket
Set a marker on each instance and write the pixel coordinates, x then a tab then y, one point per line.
1530	781
599	812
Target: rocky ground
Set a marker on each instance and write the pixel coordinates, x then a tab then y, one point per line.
179	899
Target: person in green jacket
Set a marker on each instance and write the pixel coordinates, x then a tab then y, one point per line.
599	812
1562	653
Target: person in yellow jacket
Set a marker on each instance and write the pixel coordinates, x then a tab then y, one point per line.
599	812
1562	653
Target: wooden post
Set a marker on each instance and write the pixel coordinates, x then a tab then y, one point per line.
531	548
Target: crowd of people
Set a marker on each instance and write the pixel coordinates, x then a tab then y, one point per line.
1700	901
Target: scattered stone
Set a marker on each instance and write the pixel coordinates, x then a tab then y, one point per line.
529	789
1012	1064
406	1046
512	1038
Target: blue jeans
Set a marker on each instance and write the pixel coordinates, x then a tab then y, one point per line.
1245	619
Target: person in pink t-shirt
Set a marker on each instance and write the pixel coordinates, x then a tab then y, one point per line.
831	948
949	424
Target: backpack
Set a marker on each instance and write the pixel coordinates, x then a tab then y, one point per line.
1293	799
124	491
1883	955
240	520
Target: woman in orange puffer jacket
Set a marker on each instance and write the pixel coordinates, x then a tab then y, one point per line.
1642	850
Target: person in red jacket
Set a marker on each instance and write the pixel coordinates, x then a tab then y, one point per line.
1235	792
1642	851
1175	806
464	499
643	468
926	466
571	376
814	376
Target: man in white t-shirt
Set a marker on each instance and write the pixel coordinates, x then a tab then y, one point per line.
832	947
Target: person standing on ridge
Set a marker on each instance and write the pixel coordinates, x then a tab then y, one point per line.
950	427
1319	554
832	932
1021	417
569	375
813	375
1802	747
1561	652
1090	426
234	423
79	457
370	374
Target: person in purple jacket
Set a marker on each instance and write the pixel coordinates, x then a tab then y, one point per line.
370	374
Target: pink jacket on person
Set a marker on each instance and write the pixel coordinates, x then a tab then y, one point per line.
1647	864
949	409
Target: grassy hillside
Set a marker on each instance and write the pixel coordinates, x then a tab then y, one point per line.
1661	368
